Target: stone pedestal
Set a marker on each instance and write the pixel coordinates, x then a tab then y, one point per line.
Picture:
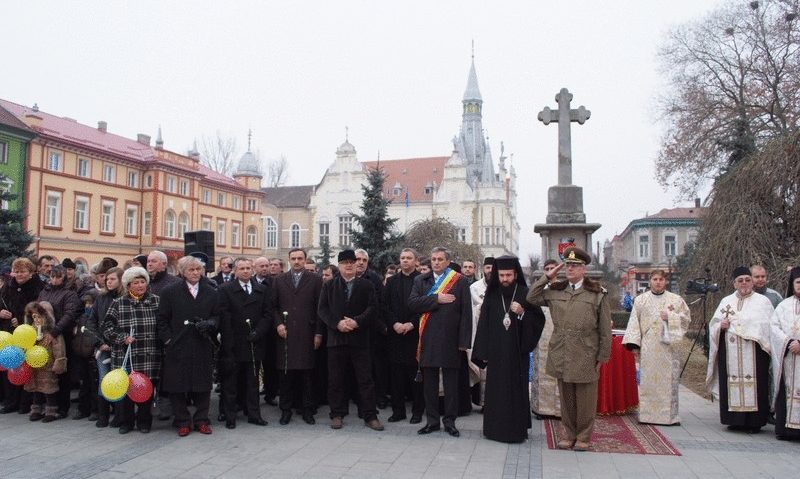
554	233
565	204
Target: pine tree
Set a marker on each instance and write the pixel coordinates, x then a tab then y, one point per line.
324	256
14	241
376	235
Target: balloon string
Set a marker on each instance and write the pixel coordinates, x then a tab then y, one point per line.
128	356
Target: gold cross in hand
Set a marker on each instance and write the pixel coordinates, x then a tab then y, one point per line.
728	312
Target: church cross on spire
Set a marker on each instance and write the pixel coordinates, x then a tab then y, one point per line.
249	138
346	134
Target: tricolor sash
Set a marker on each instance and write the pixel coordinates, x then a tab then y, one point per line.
443	285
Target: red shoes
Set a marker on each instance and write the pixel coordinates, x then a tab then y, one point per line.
204	429
183	431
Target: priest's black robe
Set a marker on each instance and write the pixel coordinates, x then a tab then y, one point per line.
743	420
505	355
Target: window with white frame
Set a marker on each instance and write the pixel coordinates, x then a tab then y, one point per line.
251	204
271	236
498	235
206	196
220	199
147	221
3	152
183	223
148	181
487	235
169	224
107	217
5	187
81	213
235	233
55	161
133	178
52	215
324	232
670	245
184	188
131	220
221	224
644	246
84	167
461	235
205	224
252	237
109	173
171	182
237	202
345	230
294	236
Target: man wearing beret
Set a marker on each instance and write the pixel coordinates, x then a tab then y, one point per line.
347	306
580	344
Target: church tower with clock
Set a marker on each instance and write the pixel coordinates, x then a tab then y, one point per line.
471	142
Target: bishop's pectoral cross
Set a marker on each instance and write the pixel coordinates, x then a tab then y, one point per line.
564	116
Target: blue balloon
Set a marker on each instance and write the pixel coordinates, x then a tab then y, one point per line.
11	357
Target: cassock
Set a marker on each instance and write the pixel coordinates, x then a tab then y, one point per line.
545	397
659	360
738	360
785	327
503	342
476	376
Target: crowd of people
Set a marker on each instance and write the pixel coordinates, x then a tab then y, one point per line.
428	332
296	339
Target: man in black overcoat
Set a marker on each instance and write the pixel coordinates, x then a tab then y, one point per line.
188	319
402	325
247	318
347	306
446	333
299	330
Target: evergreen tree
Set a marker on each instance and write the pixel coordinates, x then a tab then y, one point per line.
324	256
375	234
14	241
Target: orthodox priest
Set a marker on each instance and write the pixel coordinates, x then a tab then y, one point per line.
508	330
545	398
658	321
785	342
477	290
739	355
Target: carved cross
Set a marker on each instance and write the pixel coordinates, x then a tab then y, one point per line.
564	116
727	312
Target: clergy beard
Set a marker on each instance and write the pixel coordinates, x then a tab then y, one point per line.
508	291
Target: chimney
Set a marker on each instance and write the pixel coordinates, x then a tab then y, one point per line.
102	126
697	202
143	139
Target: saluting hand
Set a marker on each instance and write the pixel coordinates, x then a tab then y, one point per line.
554	272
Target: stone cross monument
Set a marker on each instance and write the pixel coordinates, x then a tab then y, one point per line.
566	221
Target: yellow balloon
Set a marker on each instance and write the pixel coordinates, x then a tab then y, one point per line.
5	339
24	336
36	356
114	385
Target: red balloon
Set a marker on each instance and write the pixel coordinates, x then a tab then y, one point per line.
140	388
20	375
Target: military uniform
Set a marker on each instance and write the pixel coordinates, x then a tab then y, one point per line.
581	339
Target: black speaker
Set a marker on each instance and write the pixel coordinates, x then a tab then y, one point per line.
202	241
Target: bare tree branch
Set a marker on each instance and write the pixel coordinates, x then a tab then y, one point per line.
277	171
218	153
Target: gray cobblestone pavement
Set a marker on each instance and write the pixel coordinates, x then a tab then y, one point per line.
76	449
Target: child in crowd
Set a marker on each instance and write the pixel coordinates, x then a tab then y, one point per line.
44	380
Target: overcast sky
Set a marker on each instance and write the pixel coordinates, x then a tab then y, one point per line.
297	73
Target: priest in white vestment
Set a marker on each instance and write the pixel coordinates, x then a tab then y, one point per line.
658	321
739	355
545	398
786	361
477	376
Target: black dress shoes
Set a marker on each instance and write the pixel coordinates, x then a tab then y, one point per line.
309	418
451	430
257	421
230	423
286	416
429	428
415	420
8	409
396	417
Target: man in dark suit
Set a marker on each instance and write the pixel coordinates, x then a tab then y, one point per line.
225	273
442	297
347	307
188	316
377	341
299	331
247	318
402	325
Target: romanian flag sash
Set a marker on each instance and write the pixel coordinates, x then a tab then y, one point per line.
443	285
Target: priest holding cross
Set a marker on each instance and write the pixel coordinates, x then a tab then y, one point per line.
739	355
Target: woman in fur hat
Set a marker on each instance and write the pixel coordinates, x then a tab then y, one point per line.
131	321
44	380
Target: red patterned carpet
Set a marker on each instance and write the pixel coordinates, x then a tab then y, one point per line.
621	434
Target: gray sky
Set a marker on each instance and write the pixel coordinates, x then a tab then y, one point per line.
297	73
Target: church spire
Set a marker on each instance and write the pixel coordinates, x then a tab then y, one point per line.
472	93
471	143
